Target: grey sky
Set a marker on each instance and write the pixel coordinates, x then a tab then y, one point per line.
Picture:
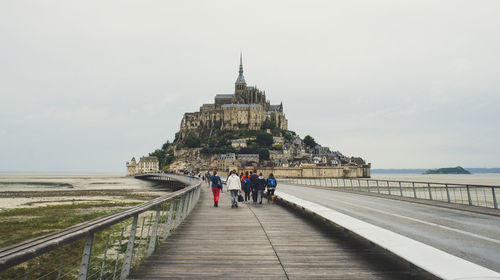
86	85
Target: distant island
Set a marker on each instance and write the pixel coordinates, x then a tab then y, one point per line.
474	170
448	170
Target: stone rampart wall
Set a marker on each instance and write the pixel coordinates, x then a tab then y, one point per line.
315	172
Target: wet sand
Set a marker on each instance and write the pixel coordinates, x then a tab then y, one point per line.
35	190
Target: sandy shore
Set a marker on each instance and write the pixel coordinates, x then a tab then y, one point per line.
23	199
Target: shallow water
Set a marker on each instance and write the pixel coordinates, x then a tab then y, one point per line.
54	182
489	179
50	189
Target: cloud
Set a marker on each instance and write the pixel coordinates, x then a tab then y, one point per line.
84	86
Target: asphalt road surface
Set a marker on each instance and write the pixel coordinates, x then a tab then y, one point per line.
471	236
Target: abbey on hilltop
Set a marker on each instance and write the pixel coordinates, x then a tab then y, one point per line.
242	131
246	108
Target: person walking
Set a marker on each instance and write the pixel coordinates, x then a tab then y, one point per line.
253	184
234	187
271	187
261	186
246	186
208	177
216	188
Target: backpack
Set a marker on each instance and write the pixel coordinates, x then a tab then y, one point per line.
217	181
246	183
271	182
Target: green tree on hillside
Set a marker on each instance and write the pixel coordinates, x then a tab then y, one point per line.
192	140
268	124
264	139
165	157
309	142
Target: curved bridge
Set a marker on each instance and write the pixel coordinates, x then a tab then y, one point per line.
312	231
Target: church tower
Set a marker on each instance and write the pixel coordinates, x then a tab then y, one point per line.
240	85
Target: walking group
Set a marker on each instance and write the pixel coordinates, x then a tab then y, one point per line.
248	184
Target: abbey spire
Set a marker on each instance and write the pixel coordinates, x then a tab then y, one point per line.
240	85
241	78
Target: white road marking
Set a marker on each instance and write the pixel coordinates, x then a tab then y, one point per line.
427	223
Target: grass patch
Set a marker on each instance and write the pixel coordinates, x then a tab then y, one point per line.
22	224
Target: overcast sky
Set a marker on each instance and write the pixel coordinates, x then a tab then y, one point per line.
86	85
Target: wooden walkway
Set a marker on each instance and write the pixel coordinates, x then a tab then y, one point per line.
265	241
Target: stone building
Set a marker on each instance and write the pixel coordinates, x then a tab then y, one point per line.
239	143
225	161
246	108
145	165
131	167
244	159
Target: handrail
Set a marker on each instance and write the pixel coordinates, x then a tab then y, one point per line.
187	197
468	194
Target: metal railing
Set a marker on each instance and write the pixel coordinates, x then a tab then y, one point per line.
474	195
112	245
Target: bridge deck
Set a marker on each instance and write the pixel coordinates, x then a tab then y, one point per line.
261	241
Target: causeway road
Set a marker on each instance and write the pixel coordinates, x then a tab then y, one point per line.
471	236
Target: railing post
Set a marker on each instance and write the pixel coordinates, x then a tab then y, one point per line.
359	185
87	253
61	267
186	206
468	195
368	185
414	190
430	193
168	223
448	193
147	234
400	189
127	261
495	203
140	241
118	255
378	189
190	204
191	201
178	213
104	258
152	241
388	188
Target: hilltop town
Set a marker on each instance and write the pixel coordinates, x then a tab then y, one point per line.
243	131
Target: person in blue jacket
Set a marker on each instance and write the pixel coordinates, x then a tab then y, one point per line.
246	186
271	184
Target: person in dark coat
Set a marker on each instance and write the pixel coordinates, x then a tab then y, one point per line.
253	184
261	186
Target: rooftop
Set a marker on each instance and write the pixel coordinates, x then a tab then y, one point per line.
241	105
224	95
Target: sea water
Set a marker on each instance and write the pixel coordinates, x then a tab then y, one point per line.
488	179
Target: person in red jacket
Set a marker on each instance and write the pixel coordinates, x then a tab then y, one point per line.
216	188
